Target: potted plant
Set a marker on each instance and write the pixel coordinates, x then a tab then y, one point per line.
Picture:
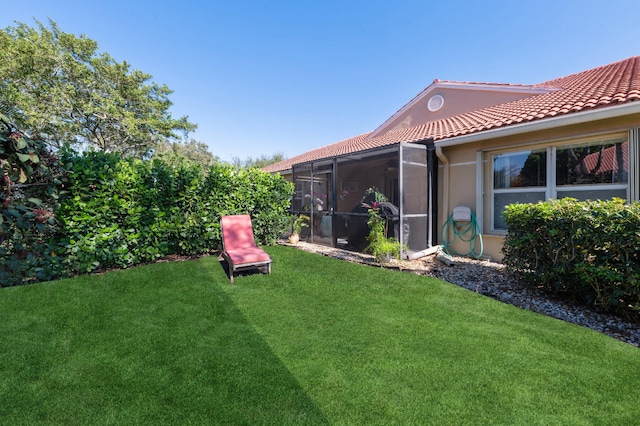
300	222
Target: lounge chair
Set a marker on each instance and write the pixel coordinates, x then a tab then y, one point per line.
239	246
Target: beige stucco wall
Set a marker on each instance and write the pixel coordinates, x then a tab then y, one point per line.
461	189
456	101
462	161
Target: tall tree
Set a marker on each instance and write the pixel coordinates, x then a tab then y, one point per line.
194	152
258	162
57	87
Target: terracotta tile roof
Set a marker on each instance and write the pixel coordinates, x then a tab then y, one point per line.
599	87
347	146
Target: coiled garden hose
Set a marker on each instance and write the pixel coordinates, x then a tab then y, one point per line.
466	231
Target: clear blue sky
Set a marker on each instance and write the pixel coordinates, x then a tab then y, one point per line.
261	77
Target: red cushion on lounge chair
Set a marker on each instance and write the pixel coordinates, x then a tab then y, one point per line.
237	232
244	255
239	246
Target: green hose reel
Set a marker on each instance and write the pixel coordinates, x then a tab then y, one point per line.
462	225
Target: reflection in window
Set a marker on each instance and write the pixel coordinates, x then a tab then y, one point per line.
520	169
602	162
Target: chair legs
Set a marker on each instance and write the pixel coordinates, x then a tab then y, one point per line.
260	268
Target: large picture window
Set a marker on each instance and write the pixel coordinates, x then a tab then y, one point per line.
585	171
592	164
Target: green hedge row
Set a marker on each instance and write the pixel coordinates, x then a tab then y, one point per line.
116	212
588	251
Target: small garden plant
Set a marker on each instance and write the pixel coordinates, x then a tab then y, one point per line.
380	245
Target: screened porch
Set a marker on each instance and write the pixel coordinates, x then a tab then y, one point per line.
335	194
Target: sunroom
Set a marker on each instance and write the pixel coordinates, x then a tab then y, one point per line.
335	194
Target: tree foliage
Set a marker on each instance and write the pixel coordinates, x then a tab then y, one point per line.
57	87
258	162
191	152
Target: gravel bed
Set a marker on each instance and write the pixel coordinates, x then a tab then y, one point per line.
492	280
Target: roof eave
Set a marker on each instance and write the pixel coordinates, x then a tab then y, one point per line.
627	108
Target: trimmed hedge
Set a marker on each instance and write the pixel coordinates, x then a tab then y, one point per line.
588	251
116	212
122	212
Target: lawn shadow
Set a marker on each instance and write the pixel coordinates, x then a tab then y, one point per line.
156	344
255	386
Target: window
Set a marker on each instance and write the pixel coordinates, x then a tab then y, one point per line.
604	162
520	169
595	170
518	177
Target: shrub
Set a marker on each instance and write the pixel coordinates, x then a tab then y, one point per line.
588	251
60	217
122	211
29	186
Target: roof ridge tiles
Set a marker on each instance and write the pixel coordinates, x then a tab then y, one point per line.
482	83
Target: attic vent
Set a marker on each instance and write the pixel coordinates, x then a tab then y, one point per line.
435	103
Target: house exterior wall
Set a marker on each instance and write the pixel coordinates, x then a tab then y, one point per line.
466	179
456	101
456	189
463	186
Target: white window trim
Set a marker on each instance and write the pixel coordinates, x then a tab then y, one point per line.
551	173
551	190
634	167
596	187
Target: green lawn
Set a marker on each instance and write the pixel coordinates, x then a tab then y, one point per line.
319	341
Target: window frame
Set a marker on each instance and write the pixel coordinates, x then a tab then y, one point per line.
551	189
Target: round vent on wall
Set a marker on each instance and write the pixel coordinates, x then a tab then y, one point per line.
435	103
